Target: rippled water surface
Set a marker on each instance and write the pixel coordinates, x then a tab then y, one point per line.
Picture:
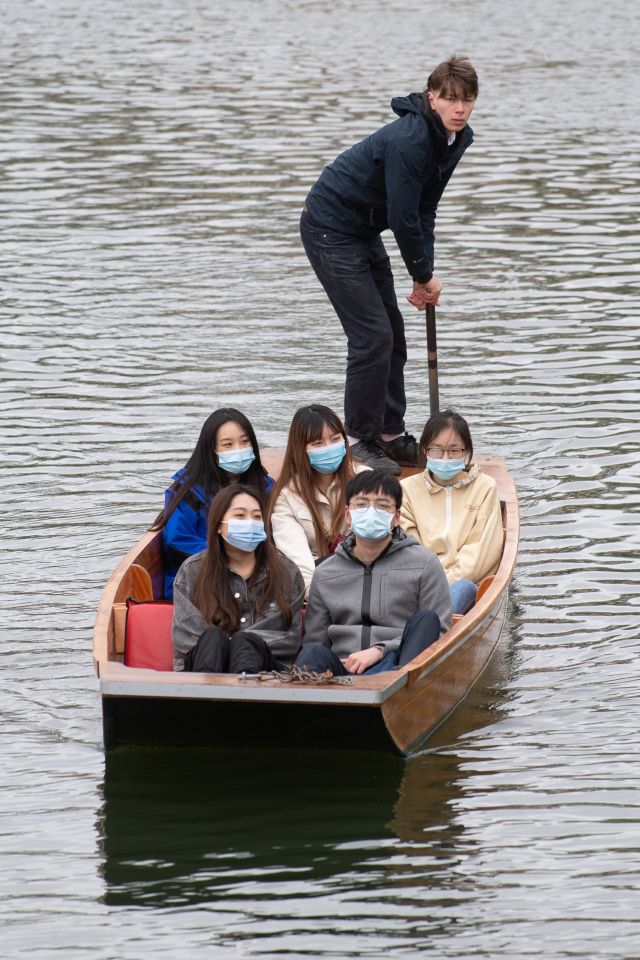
154	158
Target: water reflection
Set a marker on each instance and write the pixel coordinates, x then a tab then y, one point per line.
189	826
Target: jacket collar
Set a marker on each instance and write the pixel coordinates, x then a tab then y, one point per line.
434	487
463	139
260	574
398	536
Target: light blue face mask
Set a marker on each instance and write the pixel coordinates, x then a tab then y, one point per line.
236	461
371	524
245	534
327	459
445	469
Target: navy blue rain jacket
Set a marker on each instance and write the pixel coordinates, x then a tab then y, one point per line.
185	532
392	180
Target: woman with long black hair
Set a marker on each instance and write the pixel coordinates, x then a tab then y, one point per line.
237	605
226	452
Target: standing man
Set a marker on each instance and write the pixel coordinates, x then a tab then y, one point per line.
391	180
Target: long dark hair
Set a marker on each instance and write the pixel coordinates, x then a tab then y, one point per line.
446	419
296	472
202	468
212	595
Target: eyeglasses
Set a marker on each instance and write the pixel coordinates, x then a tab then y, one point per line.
437	453
362	503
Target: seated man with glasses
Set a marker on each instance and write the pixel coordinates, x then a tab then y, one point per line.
381	598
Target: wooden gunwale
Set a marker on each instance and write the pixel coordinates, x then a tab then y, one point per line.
413	701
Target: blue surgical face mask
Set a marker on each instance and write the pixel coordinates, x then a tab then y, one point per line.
327	459
371	524
245	534
236	461
445	469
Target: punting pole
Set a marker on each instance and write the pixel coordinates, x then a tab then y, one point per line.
432	356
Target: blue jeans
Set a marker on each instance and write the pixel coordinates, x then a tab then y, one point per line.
463	595
420	631
357	278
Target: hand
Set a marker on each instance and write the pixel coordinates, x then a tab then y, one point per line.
424	293
361	660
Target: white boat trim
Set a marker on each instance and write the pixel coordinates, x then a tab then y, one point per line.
251	690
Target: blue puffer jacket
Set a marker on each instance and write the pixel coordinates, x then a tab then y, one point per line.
185	532
392	180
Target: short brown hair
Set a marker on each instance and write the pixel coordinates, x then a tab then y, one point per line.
454	76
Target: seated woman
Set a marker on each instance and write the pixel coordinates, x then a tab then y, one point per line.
226	452
237	605
453	508
307	504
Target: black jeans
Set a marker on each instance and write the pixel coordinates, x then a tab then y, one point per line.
357	278
217	652
420	631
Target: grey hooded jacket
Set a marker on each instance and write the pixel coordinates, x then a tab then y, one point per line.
353	606
188	624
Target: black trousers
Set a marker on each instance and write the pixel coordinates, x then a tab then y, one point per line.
217	652
357	278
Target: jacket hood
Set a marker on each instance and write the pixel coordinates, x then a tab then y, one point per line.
413	103
399	539
419	104
464	481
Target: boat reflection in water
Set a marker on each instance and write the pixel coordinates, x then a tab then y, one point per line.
184	826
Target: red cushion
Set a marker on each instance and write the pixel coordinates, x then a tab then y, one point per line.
147	639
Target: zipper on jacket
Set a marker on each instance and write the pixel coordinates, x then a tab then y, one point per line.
365	609
447	516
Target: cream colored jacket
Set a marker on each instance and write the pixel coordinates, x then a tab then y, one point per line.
460	522
292	526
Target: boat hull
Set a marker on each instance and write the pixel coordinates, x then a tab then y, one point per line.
242	724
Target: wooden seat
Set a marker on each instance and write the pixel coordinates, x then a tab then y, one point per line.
483	586
135	584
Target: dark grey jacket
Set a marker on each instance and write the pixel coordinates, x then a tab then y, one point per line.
393	179
270	626
353	606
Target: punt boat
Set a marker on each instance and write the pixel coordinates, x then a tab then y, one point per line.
144	702
394	711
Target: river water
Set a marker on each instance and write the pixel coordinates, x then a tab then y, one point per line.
154	160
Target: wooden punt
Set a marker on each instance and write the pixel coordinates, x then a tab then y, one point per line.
394	711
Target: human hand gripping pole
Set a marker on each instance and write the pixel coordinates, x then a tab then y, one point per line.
424	293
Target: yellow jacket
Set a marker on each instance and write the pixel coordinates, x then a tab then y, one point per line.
460	522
